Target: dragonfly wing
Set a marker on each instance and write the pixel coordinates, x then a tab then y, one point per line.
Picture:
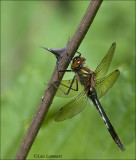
64	87
104	84
72	108
103	67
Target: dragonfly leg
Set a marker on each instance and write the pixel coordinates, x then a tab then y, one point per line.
79	54
69	87
93	96
53	84
62	71
65	71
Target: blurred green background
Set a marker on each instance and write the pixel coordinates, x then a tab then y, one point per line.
25	26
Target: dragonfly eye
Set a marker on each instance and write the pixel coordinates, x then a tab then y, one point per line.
75	59
78	62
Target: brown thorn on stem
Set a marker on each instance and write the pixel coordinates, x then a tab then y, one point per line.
57	52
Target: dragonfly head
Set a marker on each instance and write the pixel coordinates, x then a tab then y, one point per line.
78	62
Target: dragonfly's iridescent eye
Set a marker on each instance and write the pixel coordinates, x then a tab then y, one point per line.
78	62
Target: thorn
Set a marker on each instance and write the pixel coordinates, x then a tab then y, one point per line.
57	52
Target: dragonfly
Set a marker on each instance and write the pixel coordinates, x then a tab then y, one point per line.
87	84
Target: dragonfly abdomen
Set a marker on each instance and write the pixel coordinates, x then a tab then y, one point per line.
93	97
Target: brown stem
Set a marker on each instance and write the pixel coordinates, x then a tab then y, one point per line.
50	92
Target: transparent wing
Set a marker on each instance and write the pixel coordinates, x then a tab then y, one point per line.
65	85
104	84
103	67
72	108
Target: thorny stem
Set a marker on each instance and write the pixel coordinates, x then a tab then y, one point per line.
49	94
